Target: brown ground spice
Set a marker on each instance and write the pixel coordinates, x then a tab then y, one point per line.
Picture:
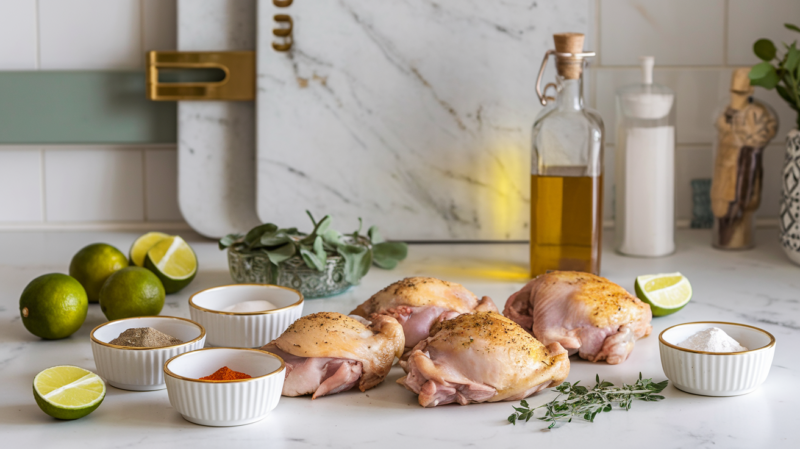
145	337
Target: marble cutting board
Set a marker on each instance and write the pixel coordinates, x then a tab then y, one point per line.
216	140
413	115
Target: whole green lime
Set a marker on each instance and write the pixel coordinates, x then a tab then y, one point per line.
53	306
131	292
93	264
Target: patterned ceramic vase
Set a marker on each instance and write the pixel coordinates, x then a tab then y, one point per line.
790	198
255	268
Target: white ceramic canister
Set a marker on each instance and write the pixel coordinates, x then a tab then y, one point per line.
645	168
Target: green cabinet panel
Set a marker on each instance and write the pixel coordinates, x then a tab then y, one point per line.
82	107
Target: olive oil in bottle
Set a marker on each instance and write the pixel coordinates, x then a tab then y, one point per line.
566	170
566	223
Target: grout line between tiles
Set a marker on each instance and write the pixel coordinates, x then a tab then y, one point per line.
38	38
141	35
92	146
666	67
725	9
43	184
597	33
144	184
105	226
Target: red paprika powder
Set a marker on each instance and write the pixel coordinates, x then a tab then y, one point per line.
226	373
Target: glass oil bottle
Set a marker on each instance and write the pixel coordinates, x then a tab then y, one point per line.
566	168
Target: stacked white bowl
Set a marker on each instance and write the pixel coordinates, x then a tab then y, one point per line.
141	369
248	329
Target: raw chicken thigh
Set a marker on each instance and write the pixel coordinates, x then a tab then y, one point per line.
482	357
587	314
417	302
327	353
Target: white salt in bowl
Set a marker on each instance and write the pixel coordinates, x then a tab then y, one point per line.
245	330
716	373
141	369
224	402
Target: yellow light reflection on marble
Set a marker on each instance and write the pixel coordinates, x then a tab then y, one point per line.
509	175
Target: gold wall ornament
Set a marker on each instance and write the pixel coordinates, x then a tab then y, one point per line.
283	32
282	3
239	83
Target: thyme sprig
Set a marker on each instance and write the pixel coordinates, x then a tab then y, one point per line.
586	403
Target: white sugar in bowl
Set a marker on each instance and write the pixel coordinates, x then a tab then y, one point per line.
715	373
245	329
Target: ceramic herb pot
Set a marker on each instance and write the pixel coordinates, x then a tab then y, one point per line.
254	267
790	198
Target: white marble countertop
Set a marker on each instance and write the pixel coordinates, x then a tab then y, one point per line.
759	287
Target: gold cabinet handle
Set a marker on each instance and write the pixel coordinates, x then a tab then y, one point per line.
239	83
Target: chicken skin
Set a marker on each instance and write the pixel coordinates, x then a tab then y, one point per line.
417	302
587	314
327	353
482	357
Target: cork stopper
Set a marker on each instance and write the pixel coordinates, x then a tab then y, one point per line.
741	89
569	67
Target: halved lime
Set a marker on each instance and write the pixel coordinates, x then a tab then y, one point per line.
68	392
666	293
143	244
173	261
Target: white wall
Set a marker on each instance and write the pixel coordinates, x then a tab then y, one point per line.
696	43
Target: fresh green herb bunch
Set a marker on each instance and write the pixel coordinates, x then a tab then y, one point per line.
779	72
586	403
359	251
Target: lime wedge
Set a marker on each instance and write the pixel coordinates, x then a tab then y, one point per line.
68	392
173	261
143	244
666	293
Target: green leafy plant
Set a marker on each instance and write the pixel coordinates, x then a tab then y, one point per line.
779	72
588	403
358	251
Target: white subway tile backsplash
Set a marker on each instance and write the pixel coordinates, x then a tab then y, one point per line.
94	185
20	185
787	117
161	185
18	35
690	163
701	94
608	182
90	34
697	162
676	32
140	184
750	20
160	18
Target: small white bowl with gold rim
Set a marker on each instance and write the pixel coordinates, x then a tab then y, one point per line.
717	373
224	402
250	329
141	369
